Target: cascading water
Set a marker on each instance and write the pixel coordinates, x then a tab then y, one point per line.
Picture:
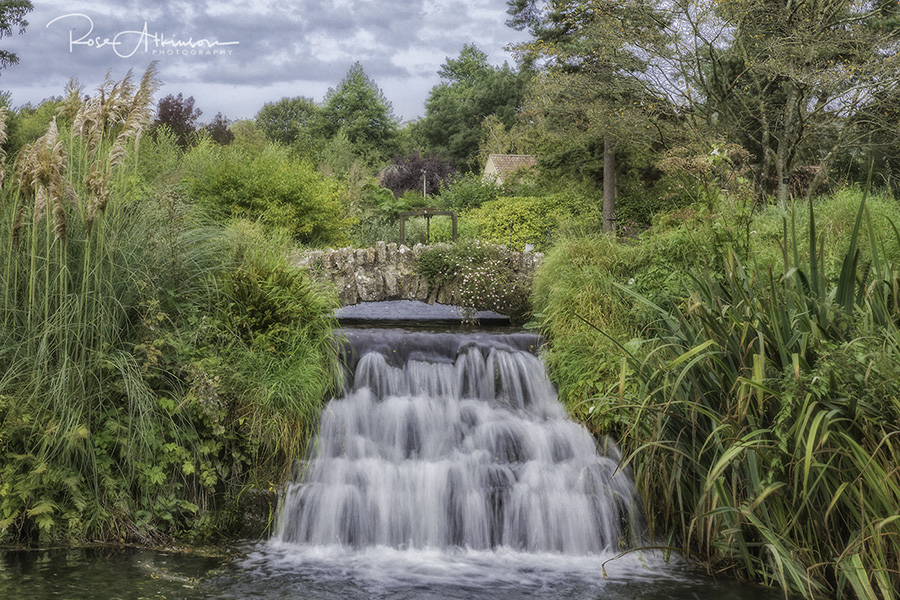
447	471
456	441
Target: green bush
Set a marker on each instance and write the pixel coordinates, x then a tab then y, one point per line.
482	275
520	220
270	186
467	191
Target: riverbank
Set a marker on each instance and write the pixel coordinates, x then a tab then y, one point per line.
748	364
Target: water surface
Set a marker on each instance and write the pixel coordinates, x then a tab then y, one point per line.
270	571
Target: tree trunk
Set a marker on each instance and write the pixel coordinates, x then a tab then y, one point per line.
609	188
785	148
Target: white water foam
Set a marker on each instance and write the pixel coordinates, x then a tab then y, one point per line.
456	464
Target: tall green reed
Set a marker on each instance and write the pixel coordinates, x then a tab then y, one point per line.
152	364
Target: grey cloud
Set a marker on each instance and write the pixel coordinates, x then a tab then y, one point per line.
279	43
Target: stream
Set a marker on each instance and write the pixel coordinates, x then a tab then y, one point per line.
447	469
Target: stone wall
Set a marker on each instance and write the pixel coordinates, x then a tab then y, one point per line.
388	272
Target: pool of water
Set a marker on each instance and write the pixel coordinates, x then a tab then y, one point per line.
279	571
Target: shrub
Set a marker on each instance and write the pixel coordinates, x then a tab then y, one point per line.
483	277
467	191
516	221
409	173
270	186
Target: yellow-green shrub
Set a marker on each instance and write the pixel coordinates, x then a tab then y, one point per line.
518	220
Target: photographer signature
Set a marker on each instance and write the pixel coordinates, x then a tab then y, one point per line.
126	43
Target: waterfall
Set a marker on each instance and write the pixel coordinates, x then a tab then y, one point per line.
451	440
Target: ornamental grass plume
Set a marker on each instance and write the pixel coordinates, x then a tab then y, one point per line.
41	171
72	103
115	106
108	108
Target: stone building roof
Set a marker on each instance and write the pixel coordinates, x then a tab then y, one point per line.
499	166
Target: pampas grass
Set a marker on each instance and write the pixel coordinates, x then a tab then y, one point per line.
136	385
69	293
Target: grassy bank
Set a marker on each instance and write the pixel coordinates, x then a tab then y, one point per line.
154	364
750	370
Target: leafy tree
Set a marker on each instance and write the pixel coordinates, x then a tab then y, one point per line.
218	130
29	122
414	172
358	108
594	98
179	115
794	82
470	91
286	120
248	136
12	16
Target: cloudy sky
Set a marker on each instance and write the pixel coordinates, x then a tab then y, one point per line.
235	56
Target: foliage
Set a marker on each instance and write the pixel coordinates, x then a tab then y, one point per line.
519	220
283	366
287	120
158	160
467	191
697	173
767	399
483	276
499	138
470	91
358	109
248	136
594	100
12	16
218	130
142	350
31	122
179	115
267	184
794	85
414	171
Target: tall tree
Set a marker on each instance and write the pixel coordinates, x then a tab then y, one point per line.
790	79
219	130
470	91
358	108
12	17
594	95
